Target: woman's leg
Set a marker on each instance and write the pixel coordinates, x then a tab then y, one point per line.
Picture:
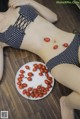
68	104
68	75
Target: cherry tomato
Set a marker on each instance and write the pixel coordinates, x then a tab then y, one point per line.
39	91
43	67
30	74
55	47
30	89
47	75
49	78
39	87
27	67
19	79
41	71
46	70
22	71
34	69
45	92
42	88
47	89
40	95
40	66
29	78
46	81
32	95
65	45
35	90
21	75
24	91
35	65
19	82
24	85
47	39
40	74
20	86
49	86
28	94
36	95
50	81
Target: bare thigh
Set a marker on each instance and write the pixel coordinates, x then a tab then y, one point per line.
68	75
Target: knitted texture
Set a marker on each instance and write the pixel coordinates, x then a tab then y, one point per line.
14	35
69	56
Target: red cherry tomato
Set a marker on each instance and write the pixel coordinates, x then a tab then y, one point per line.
35	90
29	78
39	91
27	67
21	75
47	89
30	89
35	65
34	69
55	47
19	79
24	91
47	39
40	95
40	66
28	94
47	75
30	74
36	95
40	74
19	83
42	88
22	71
45	92
65	45
43	67
50	78
20	86
41	71
24	85
46	70
50	81
49	86
32	95
39	87
46	81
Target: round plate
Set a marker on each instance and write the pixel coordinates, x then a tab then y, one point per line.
36	80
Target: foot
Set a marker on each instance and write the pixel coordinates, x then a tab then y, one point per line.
66	111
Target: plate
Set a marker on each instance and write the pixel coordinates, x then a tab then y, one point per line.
33	81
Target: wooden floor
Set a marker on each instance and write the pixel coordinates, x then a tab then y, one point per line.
48	108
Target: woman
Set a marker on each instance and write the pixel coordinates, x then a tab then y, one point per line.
25	28
3	8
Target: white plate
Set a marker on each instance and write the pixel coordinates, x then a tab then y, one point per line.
36	80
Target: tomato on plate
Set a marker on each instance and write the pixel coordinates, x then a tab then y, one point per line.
34	81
